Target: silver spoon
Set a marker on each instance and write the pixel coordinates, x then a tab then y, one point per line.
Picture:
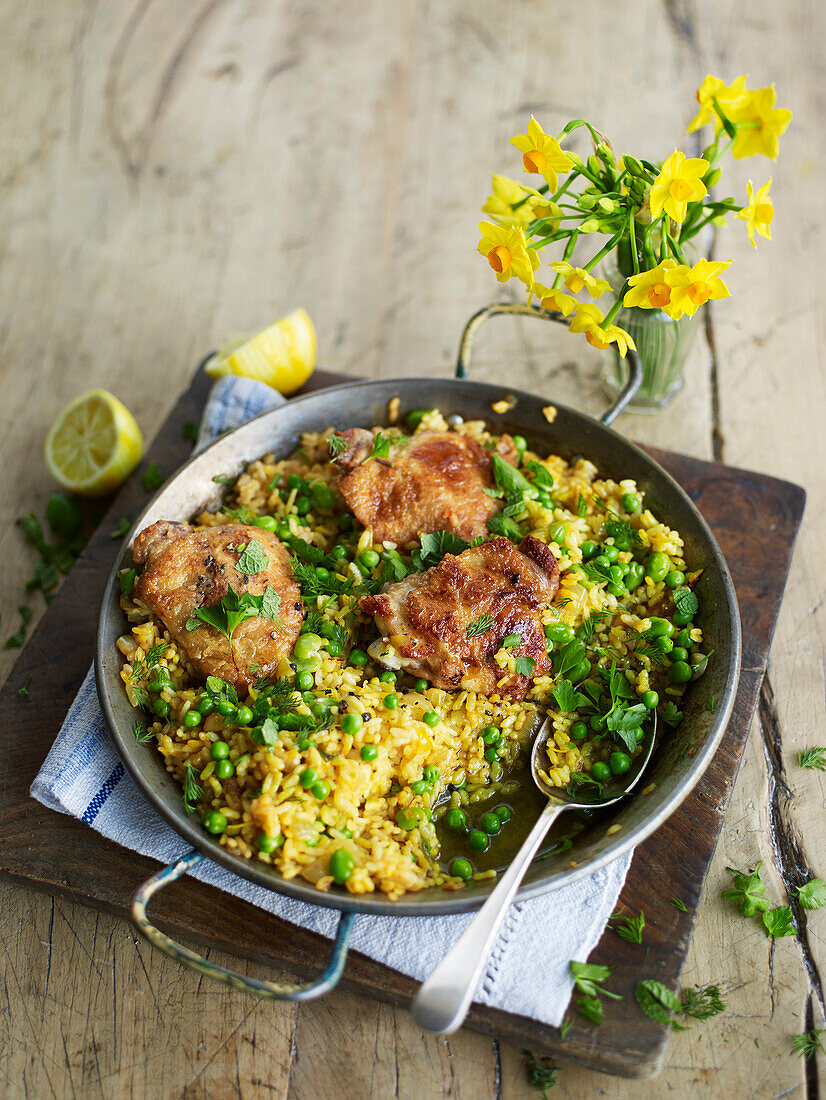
445	997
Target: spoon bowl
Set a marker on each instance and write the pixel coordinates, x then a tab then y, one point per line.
444	998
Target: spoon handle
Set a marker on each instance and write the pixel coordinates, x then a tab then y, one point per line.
445	997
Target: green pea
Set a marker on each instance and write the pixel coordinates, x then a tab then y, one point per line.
619	763
244	716
431	718
225	769
521	445
307	645
461	868
682	618
358	657
205	706
622	540
491	754
675	578
559	633
683	638
678	653
284	529
680	673
303	744
611	553
650	699
304	681
503	813
616	573
369	559
418	786
657	566
661	627
420	685
192	719
226	709
414	418
267	523
321	789
323	495
269	843
342	865
478	841
631	503
588	549
295	482
369	752
665	644
491	824
634	575
161	708
639	733
307	778
579	730
219	750
345	522
351	723
387	677
431	773
456	818
598	723
544	499
391	702
616	590
409	818
322	574
558	533
490	735
214	822
600	771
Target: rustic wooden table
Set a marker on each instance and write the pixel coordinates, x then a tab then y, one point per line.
175	172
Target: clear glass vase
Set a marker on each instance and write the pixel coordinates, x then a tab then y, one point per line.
663	345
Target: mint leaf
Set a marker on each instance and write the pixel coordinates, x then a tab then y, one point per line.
541	477
253	560
686	602
504	526
512	483
265	734
657	1000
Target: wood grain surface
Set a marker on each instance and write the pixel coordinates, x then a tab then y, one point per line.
174	172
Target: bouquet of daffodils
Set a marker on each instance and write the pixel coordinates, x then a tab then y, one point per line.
647	211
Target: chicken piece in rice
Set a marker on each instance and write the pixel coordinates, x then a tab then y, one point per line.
431	481
447	623
188	568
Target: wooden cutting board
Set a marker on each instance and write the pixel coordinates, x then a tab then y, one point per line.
755	519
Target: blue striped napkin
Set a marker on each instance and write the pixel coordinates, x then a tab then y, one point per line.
528	970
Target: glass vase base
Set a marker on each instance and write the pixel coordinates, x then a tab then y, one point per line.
613	381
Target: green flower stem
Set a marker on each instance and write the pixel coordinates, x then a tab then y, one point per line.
647	247
564	187
616	307
571	245
728	125
603	252
632	238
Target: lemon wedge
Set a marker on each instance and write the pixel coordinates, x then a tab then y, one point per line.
93	445
283	355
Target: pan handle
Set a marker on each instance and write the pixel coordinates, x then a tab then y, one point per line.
271	990
501	308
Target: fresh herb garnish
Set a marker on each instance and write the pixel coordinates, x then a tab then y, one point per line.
503	525
582	507
15	641
679	905
235	609
539	1076
671	714
701	1003
253	560
586	632
142	734
152	478
809	1043
23	690
512	483
590	1008
381	447
812	895
123	525
657	1001
541	477
568	699
479	626
524	666
336	445
434	546
265	734
565	1026
224	479
189	431
813	758
587	980
686	602
313	585
748	891
699	666
511	641
241	514
778	922
192	789
631	928
126	581
394	568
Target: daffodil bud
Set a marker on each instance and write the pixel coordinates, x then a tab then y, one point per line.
708	152
633	165
587	201
712	177
575	157
607	205
605	155
590	225
594	165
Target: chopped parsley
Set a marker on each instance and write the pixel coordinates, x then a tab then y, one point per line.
23	693
813	894
15	641
524	665
479	626
539	1076
253	560
434	546
568	699
123	525
152	478
193	791
778	922
503	525
126	581
511	641
381	447
235	609
671	714
511	482
748	891
189	431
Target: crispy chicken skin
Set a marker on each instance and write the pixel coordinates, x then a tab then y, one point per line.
434	481
426	615
190	567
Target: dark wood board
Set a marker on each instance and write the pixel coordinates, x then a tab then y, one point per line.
755	519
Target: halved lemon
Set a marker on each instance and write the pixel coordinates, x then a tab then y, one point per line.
283	355
93	445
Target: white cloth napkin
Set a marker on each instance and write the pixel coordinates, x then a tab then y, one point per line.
528	970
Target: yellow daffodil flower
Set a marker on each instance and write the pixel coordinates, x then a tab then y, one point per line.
759	124
692	287
759	212
507	252
543	209
575	278
542	154
678	183
510	203
554	298
649	290
713	88
588	320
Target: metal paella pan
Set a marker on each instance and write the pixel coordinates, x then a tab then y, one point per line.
679	760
